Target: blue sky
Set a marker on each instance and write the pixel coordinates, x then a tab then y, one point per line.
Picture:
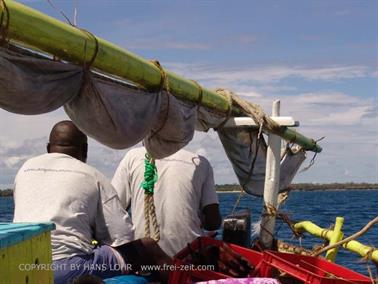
319	57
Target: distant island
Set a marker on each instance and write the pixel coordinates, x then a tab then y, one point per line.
309	186
6	192
294	187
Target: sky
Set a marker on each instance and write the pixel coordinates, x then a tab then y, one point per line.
320	58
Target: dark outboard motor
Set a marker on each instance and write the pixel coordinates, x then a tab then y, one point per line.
237	228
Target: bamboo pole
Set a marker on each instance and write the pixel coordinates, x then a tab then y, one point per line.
33	28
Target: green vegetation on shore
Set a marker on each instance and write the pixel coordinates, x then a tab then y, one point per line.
6	192
310	186
295	187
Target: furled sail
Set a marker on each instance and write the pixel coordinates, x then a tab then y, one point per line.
120	114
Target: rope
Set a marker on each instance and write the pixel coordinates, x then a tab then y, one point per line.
60	11
163	84
150	175
236	205
200	95
229	97
312	162
87	64
4	28
148	184
254	111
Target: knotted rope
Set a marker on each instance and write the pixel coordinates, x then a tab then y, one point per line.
148	184
252	110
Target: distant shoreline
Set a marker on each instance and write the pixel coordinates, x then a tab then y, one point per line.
235	188
229	188
310	190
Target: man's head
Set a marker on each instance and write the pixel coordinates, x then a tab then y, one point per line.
67	139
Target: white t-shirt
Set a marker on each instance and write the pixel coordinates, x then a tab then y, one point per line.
184	187
77	198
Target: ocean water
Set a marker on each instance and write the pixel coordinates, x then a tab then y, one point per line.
321	207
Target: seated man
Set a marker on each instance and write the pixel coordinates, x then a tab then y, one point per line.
59	187
185	198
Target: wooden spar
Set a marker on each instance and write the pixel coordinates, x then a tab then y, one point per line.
33	28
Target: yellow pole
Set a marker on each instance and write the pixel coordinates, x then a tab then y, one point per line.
354	246
336	236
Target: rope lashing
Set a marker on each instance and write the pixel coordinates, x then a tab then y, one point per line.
4	27
148	184
150	175
164	84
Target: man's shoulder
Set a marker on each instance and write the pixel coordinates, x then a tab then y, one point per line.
186	155
133	155
61	161
136	152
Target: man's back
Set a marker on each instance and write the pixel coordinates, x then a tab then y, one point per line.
184	187
71	194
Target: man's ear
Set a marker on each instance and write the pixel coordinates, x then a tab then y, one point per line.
48	147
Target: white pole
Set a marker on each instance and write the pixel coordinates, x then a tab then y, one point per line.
271	186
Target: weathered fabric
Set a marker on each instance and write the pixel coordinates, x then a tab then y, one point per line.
175	128
247	155
31	85
113	114
120	115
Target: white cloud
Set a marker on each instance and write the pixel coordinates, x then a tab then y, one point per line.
166	44
230	76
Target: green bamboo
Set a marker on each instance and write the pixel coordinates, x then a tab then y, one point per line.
69	43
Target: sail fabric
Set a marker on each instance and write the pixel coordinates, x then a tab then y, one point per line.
115	115
177	124
247	154
120	115
32	85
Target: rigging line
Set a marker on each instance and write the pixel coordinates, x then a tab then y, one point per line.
312	162
241	194
60	12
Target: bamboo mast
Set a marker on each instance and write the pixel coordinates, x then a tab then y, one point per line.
33	28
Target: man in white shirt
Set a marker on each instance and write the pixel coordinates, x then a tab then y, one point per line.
184	195
59	187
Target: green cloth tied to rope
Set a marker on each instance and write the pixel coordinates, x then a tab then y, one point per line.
150	175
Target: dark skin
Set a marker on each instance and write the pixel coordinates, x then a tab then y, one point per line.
66	138
212	219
